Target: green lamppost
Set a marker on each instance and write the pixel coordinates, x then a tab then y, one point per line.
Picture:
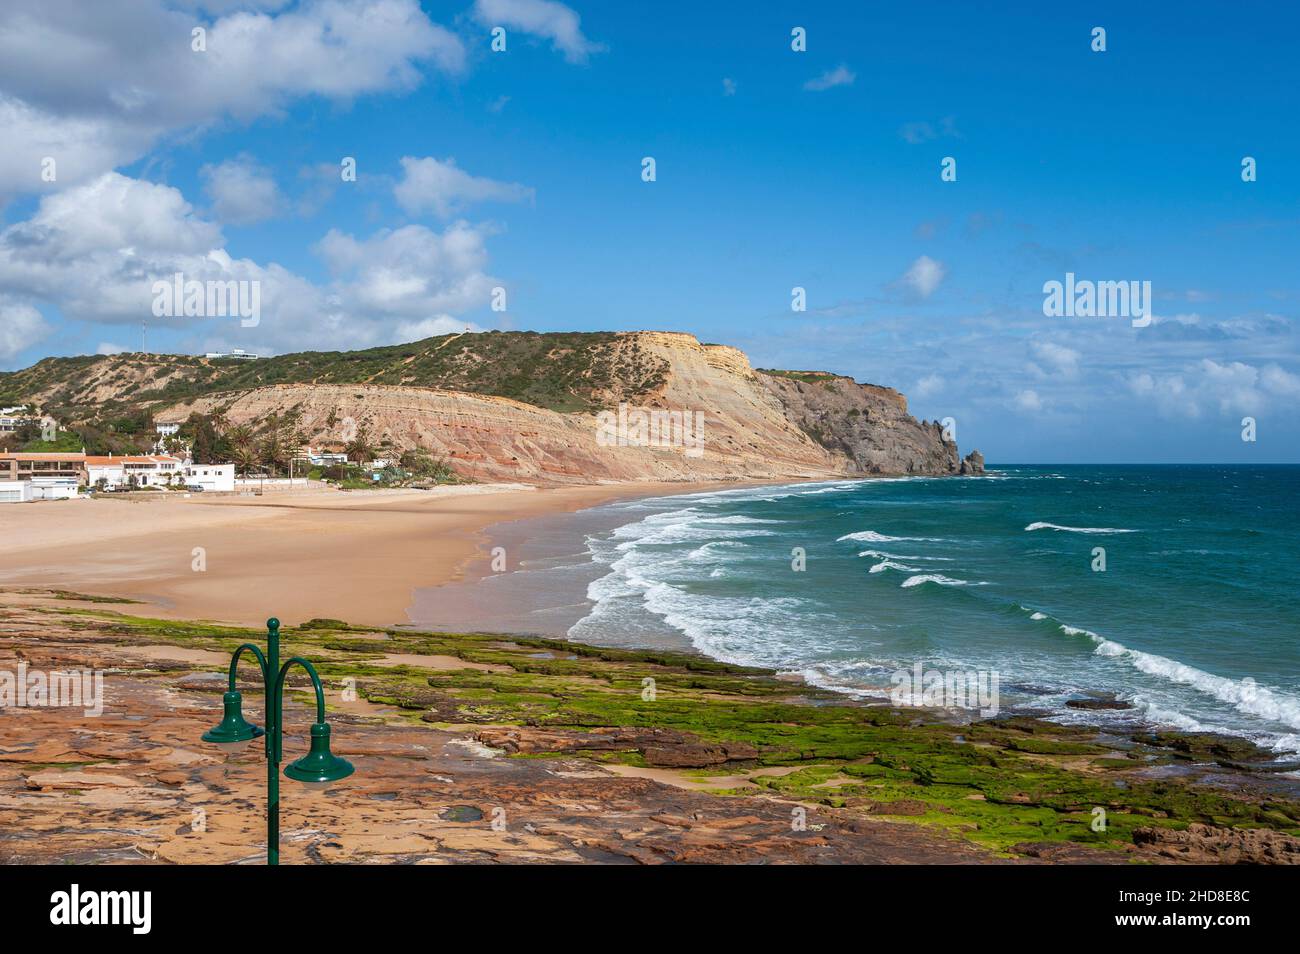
318	768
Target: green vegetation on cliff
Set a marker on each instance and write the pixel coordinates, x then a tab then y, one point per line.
559	371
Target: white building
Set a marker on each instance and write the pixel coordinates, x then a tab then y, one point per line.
154	470
324	458
15	491
210	476
166	430
12	418
54	488
239	354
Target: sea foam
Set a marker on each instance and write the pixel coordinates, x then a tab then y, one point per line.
1054	526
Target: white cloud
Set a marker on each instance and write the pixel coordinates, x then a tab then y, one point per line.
21	326
1059	359
1275	380
96	87
242	192
108	347
545	18
728	86
919	132
411	272
1028	401
444	188
432	327
840	76
94	252
218	7
1231	388
923	276
929	385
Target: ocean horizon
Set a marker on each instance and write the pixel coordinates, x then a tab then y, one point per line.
1119	595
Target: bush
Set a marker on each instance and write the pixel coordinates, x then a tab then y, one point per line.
419	463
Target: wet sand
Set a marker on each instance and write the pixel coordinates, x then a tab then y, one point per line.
293	554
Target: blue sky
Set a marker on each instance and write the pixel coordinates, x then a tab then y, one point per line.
775	169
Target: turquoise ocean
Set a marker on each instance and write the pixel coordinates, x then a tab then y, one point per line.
1194	620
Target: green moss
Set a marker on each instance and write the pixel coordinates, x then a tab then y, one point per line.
996	783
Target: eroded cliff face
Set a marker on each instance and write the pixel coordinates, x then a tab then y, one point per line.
865	424
717	419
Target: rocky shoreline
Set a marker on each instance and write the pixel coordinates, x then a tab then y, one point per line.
480	748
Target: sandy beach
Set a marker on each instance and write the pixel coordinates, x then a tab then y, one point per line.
239	559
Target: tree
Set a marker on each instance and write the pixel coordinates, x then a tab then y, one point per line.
244	457
419	463
239	437
359	449
273	453
204	448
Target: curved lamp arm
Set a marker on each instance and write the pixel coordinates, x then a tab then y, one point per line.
261	662
278	696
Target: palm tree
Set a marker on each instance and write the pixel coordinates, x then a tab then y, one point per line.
245	458
359	449
240	436
272	453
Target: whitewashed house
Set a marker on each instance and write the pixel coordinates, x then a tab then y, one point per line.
54	488
153	470
15	491
210	476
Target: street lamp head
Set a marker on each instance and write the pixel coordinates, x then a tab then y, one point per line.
320	766
234	730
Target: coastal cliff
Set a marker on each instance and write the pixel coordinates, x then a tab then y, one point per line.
543	408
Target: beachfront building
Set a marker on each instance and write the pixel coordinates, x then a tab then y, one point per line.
54	488
41	476
210	476
167	430
123	473
21	465
15	491
239	354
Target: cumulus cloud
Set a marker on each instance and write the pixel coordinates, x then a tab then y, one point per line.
444	188
95	251
433	327
840	76
929	385
1060	360
923	276
410	272
21	326
1028	401
109	347
94	86
544	18
242	192
1233	387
